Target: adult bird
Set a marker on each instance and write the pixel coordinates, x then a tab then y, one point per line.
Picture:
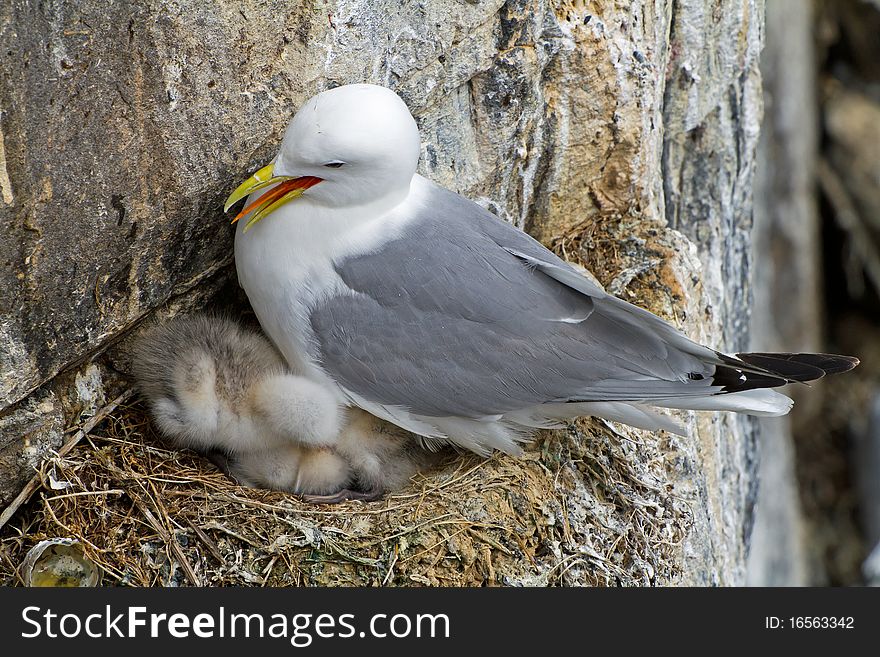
422	308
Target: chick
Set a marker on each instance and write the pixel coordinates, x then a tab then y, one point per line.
225	391
212	384
369	459
380	458
384	456
312	472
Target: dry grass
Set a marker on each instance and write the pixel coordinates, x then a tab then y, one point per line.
586	506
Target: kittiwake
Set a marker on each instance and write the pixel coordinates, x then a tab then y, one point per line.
424	309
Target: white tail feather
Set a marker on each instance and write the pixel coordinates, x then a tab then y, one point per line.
482	437
763	402
549	416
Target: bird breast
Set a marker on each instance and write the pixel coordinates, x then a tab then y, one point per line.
285	264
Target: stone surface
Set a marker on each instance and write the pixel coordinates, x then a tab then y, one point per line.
787	275
125	126
711	114
28	434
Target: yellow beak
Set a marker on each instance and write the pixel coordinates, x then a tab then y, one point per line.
288	189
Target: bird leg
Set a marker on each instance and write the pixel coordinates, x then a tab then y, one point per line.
219	459
344	495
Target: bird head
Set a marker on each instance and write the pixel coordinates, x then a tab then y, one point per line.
344	147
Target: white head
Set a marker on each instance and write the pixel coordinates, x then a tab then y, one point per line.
346	146
360	138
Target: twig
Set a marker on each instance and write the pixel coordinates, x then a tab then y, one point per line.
206	540
34	484
86	493
488	539
169	539
391	565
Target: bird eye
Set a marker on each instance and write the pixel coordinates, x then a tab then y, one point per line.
334	165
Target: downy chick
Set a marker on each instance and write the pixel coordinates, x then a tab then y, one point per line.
211	384
369	459
382	458
225	391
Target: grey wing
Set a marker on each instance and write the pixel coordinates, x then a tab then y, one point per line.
463	315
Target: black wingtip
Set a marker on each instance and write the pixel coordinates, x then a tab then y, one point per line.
835	364
798	365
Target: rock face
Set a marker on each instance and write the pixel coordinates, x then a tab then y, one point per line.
598	126
786	241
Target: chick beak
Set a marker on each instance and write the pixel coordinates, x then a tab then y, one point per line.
288	188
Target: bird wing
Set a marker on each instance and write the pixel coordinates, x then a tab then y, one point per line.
463	315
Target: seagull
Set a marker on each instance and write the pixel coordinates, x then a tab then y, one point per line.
225	392
420	307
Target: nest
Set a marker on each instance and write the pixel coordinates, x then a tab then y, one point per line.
594	504
587	506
